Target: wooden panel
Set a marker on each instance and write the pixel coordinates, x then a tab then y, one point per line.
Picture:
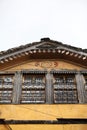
85	86
80	88
65	89
17	88
49	91
42	64
33	88
6	88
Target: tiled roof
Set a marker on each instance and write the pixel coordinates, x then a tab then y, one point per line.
12	50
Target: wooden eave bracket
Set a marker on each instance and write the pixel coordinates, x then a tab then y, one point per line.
32	50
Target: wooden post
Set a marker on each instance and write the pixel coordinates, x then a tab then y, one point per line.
80	87
49	90
85	89
17	88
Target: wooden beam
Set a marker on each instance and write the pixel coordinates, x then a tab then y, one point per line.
17	52
6	60
53	51
30	52
49	90
67	52
63	51
44	51
2	61
59	51
48	50
75	55
19	55
34	51
39	51
80	87
84	58
15	57
71	54
26	53
59	121
10	58
22	54
79	56
17	88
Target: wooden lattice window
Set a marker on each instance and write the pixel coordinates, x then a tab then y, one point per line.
6	88
85	85
33	88
85	82
65	90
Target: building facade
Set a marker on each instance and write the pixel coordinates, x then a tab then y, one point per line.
43	85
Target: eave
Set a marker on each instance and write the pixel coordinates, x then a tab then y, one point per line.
55	49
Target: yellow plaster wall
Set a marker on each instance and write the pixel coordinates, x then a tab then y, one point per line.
4	127
43	112
43	127
49	127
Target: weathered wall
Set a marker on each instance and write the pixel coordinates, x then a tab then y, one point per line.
49	127
43	64
43	127
4	127
43	112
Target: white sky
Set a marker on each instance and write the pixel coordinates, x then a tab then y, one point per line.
26	21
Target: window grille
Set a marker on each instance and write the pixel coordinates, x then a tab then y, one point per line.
85	85
85	82
65	90
33	88
6	88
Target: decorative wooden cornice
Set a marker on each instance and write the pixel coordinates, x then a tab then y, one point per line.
64	71
44	46
34	71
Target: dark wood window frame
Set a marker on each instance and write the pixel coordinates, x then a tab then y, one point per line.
65	89
6	87
84	81
49	89
33	88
